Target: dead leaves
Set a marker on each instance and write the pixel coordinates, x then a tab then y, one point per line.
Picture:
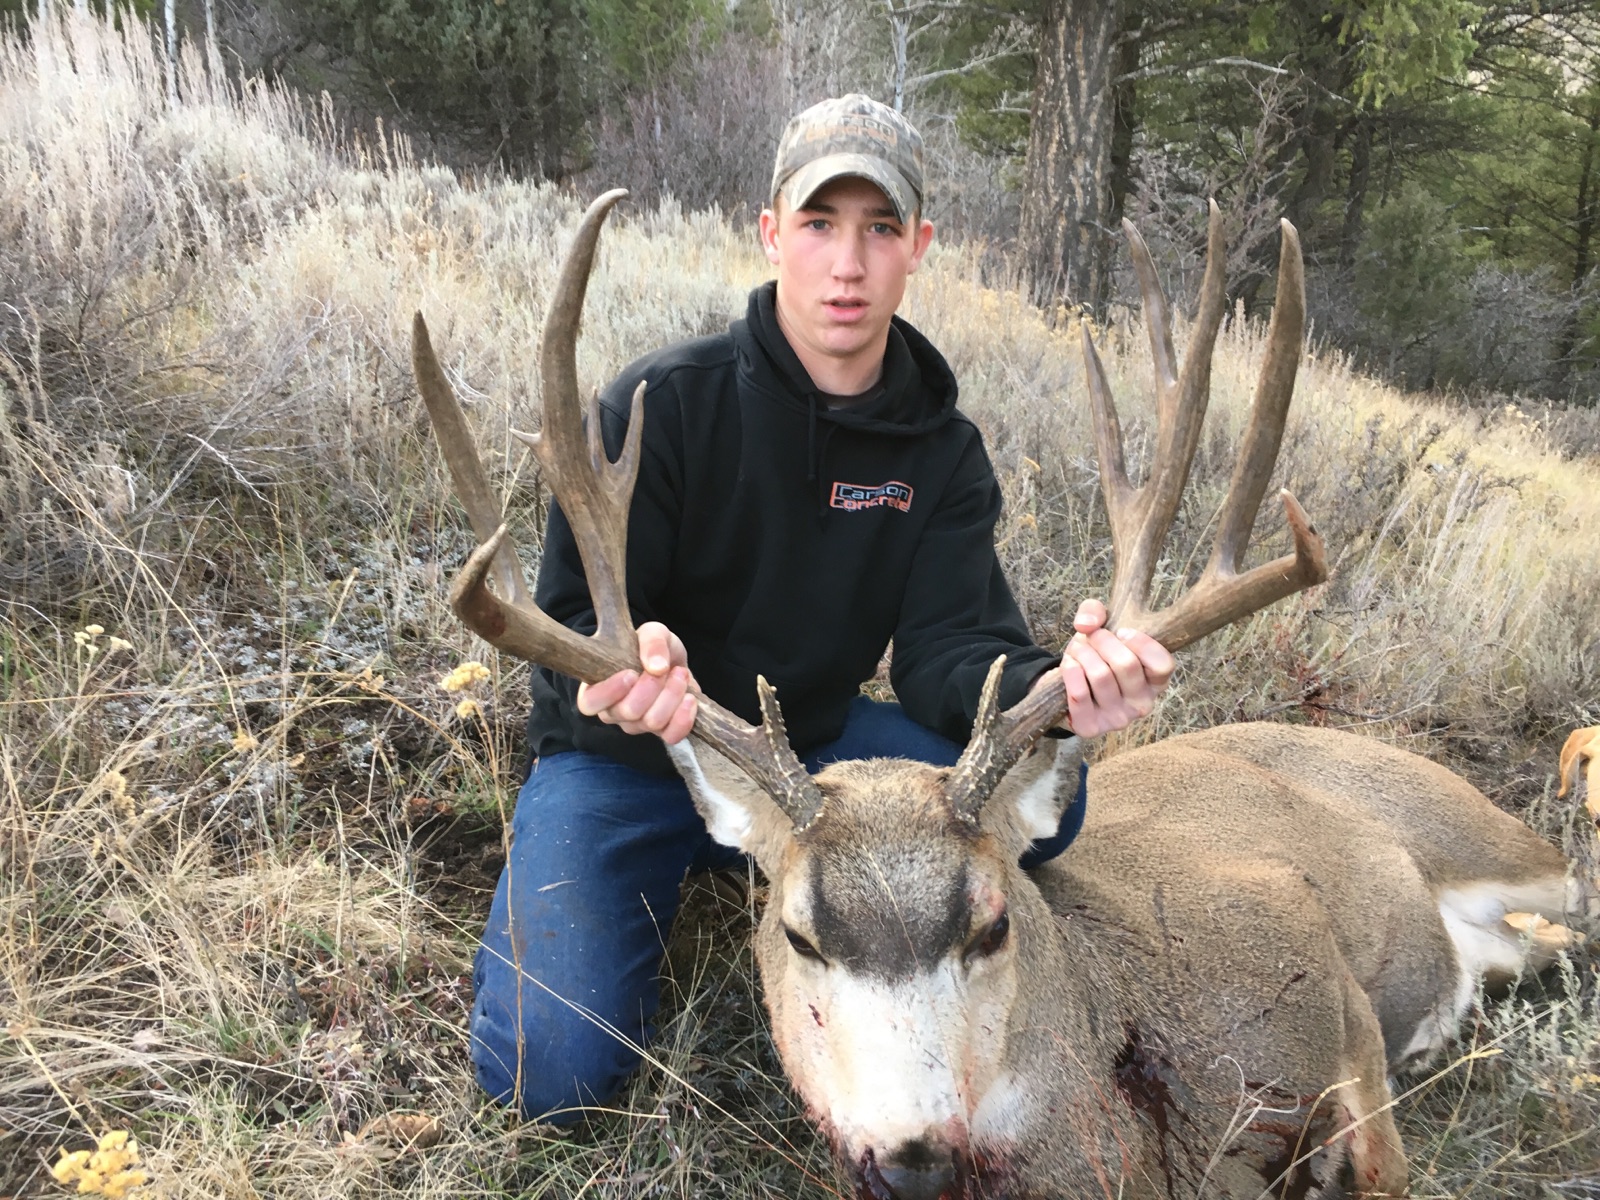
395	1134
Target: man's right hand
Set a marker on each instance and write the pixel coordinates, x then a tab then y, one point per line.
661	699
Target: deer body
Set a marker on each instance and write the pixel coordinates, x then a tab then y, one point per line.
1207	991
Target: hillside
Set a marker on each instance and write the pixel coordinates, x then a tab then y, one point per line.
247	839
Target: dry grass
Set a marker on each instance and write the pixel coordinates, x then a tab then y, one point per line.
244	856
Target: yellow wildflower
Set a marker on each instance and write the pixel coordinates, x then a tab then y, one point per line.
110	1170
468	708
119	644
70	1166
464	676
244	741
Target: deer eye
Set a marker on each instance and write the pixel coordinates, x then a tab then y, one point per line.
990	940
802	947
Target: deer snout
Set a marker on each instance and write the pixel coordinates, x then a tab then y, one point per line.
918	1170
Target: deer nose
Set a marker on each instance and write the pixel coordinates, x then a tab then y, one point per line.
914	1183
918	1170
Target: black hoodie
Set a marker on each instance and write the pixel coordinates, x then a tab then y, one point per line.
778	537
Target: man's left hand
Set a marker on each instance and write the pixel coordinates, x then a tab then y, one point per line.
1112	679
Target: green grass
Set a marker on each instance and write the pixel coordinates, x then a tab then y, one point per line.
244	861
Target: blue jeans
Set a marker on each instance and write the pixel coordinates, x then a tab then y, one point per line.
567	978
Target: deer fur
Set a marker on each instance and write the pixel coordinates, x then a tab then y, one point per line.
1204	995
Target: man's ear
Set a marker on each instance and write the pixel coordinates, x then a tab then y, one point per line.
769	234
924	236
736	811
1029	801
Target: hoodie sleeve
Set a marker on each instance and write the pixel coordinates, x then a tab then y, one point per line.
958	613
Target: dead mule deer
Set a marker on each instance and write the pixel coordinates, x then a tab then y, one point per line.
1205	994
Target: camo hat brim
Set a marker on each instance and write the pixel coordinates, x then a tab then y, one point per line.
852	136
809	180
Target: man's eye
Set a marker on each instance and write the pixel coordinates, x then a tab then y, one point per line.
885	230
817	224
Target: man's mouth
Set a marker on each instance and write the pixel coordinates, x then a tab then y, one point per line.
847	306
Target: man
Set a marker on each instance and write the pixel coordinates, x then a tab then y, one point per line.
808	493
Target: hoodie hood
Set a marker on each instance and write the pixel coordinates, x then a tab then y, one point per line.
919	389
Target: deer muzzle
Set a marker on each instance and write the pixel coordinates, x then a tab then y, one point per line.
920	1170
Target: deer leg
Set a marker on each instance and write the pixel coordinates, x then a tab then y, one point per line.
1375	1164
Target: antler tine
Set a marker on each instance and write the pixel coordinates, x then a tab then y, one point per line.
594	494
461	457
1141	517
1222	595
1259	449
1157	324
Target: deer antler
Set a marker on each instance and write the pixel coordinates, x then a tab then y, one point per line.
1141	517
594	493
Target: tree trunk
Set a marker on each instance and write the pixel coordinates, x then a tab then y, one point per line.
1355	195
900	46
213	51
1066	191
1582	252
171	23
1124	121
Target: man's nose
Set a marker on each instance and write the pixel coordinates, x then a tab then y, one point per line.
850	262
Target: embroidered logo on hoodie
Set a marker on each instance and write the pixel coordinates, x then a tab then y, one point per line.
853	497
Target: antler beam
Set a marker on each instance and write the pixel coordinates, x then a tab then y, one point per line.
1141	517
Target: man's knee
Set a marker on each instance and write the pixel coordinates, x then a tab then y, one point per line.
566	977
548	1056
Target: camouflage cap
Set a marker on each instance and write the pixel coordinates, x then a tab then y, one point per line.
851	135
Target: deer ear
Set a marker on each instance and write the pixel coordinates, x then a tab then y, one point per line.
736	810
1031	797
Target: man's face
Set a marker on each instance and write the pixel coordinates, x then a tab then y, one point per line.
842	262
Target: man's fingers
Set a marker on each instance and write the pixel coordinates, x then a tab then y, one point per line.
665	706
632	707
655	647
682	721
1124	663
595	698
1080	700
1157	659
1091	615
1102	680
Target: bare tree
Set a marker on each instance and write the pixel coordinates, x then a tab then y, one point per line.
825	48
170	14
912	19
